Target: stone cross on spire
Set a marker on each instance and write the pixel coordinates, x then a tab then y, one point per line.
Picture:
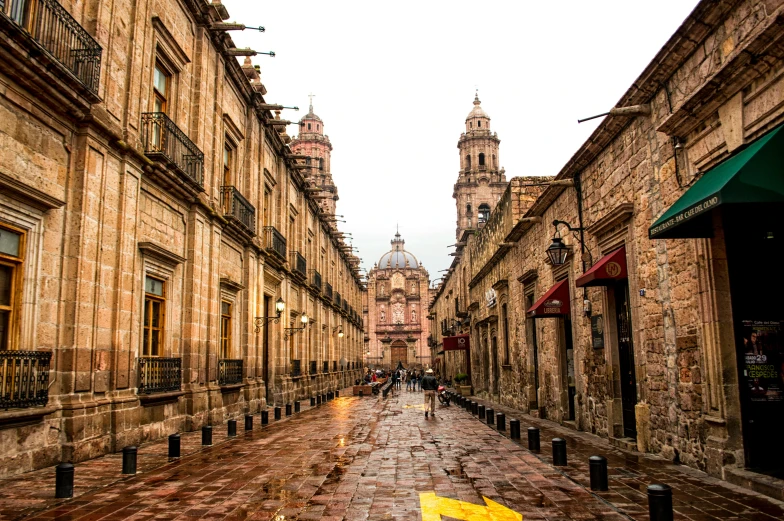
311	102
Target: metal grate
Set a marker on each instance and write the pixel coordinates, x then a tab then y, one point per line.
229	372
24	378
159	375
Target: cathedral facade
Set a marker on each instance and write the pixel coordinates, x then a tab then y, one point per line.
396	321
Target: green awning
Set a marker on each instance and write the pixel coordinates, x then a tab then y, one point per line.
753	175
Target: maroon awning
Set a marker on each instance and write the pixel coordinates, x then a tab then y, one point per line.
554	303
610	268
457	343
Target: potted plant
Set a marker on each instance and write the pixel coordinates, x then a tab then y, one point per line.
462	384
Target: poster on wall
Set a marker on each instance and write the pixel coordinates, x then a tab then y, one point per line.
763	352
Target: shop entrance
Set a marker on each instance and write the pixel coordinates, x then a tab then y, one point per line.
754	237
623	321
265	342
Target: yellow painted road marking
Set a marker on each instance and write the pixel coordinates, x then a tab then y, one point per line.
433	507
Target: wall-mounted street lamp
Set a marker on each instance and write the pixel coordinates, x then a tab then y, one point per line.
290	331
258	322
273	106
247	51
339	330
558	251
231	26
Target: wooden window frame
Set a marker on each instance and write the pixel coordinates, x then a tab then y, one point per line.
149	300
17	282
225	330
164	98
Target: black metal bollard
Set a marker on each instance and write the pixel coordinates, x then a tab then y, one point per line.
288	409
324	398
533	439
500	421
318	397
480	411
129	460
361	394
206	435
514	429
277	413
467	405
330	395
64	479
598	471
337	394
559	452
264	417
174	445
297	407
660	502
490	416
312	401
232	428
248	422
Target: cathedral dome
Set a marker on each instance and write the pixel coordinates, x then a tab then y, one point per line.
477	111
397	257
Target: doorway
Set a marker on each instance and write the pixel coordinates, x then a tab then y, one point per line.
530	327
399	353
623	327
568	369
496	375
754	237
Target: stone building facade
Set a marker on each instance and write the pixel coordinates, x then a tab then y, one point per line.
396	300
637	308
152	219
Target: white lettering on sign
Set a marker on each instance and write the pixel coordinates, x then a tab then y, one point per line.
689	213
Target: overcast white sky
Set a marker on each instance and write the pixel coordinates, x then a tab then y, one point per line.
394	82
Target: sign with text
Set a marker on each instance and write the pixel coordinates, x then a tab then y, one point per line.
763	356
457	343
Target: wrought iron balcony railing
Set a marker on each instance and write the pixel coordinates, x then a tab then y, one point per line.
165	142
60	35
313	367
229	371
159	375
298	264
275	242
236	207
296	368
328	290
24	378
315	279
345	306
338	300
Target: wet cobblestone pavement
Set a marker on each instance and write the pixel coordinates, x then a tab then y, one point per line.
366	459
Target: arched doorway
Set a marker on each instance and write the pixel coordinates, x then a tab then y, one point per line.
399	353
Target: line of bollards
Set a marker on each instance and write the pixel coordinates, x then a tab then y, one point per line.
659	495
64	472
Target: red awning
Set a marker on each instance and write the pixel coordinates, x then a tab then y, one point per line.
554	303
457	343
610	268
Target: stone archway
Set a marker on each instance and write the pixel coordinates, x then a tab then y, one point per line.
399	353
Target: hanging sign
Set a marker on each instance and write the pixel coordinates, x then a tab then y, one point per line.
597	331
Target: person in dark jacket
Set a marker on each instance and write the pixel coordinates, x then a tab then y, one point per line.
430	386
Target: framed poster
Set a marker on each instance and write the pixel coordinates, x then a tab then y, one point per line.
763	369
597	331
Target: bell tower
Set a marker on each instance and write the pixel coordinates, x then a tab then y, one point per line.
480	181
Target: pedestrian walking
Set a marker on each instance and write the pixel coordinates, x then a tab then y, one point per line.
409	381
430	385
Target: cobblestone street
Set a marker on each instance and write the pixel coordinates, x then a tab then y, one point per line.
358	459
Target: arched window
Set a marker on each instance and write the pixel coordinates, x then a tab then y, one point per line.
484	213
468	209
468	161
308	126
495	165
479	124
321	163
318	127
481	160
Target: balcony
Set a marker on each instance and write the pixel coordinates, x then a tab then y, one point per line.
313	367
164	141
229	372
275	242
55	32
159	375
24	378
345	306
482	167
238	210
299	265
296	368
328	290
326	367
315	280
338	300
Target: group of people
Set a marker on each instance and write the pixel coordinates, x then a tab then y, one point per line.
415	381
